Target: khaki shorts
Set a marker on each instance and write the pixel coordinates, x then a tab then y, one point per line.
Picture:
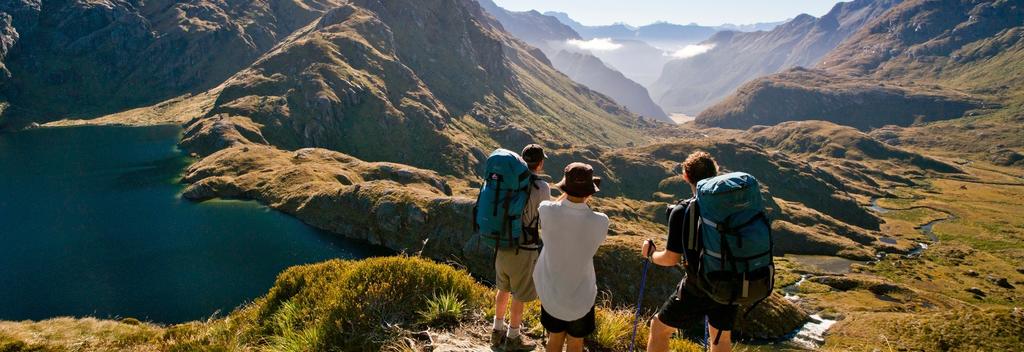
515	273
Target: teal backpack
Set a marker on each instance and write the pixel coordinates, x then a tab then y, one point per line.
735	265
498	214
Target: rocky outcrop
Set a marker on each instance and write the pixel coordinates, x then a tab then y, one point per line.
8	36
841	143
802	94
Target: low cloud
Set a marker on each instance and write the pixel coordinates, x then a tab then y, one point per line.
596	44
691	51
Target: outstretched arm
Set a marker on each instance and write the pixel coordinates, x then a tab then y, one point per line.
663	257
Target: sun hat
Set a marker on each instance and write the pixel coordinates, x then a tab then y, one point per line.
579	180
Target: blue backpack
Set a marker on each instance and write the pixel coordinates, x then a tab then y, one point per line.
735	265
498	214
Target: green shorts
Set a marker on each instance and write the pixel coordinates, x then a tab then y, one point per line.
515	273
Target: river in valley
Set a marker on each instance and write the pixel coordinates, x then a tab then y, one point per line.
92	224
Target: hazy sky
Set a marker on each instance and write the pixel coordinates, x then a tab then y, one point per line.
705	12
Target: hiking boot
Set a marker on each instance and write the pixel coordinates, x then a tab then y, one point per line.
497	338
518	343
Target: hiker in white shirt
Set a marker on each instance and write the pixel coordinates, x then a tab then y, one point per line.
564	274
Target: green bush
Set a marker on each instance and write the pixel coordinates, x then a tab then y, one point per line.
445	309
362	305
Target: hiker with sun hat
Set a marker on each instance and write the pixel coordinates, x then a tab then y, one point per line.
564	274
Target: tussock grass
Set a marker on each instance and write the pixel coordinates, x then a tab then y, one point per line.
356	305
443	309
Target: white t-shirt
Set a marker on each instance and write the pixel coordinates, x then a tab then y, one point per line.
564	274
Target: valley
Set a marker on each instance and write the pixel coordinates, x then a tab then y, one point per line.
894	178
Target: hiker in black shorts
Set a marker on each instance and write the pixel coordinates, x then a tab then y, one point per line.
689	304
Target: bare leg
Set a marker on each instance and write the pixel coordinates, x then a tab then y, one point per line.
574	344
657	341
724	343
515	318
555	342
500	304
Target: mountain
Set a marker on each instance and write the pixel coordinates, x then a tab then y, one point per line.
550	35
443	70
692	84
90	58
667	35
593	73
921	61
753	27
803	94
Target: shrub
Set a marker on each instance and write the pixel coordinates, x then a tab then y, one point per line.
443	310
362	305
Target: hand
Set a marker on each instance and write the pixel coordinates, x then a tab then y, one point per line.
647	249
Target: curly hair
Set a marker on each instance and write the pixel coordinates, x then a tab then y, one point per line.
700	165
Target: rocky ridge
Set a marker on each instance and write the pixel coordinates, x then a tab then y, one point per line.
941	60
89	58
325	86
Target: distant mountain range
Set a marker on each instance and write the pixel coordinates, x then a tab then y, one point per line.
656	33
919	61
641	52
692	84
551	36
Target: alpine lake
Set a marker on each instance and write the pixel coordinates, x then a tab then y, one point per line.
92	224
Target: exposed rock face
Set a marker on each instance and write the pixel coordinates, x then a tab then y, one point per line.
690	85
801	94
87	58
413	210
549	35
8	36
387	80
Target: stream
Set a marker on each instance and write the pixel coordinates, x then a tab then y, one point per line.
812	334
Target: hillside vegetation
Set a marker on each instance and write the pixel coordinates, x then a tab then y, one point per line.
942	60
369	119
90	58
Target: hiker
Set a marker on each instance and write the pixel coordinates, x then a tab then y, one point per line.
708	232
514	266
564	274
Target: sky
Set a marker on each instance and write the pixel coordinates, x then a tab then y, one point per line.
704	12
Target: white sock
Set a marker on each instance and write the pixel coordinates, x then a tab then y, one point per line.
513	332
499	324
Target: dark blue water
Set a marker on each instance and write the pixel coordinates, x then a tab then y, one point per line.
91	223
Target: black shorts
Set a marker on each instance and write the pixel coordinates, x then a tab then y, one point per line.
684	312
578	328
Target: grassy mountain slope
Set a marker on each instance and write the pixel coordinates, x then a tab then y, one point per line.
968	49
690	85
442	70
550	35
802	94
89	58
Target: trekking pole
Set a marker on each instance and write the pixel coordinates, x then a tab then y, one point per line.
707	335
640	296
